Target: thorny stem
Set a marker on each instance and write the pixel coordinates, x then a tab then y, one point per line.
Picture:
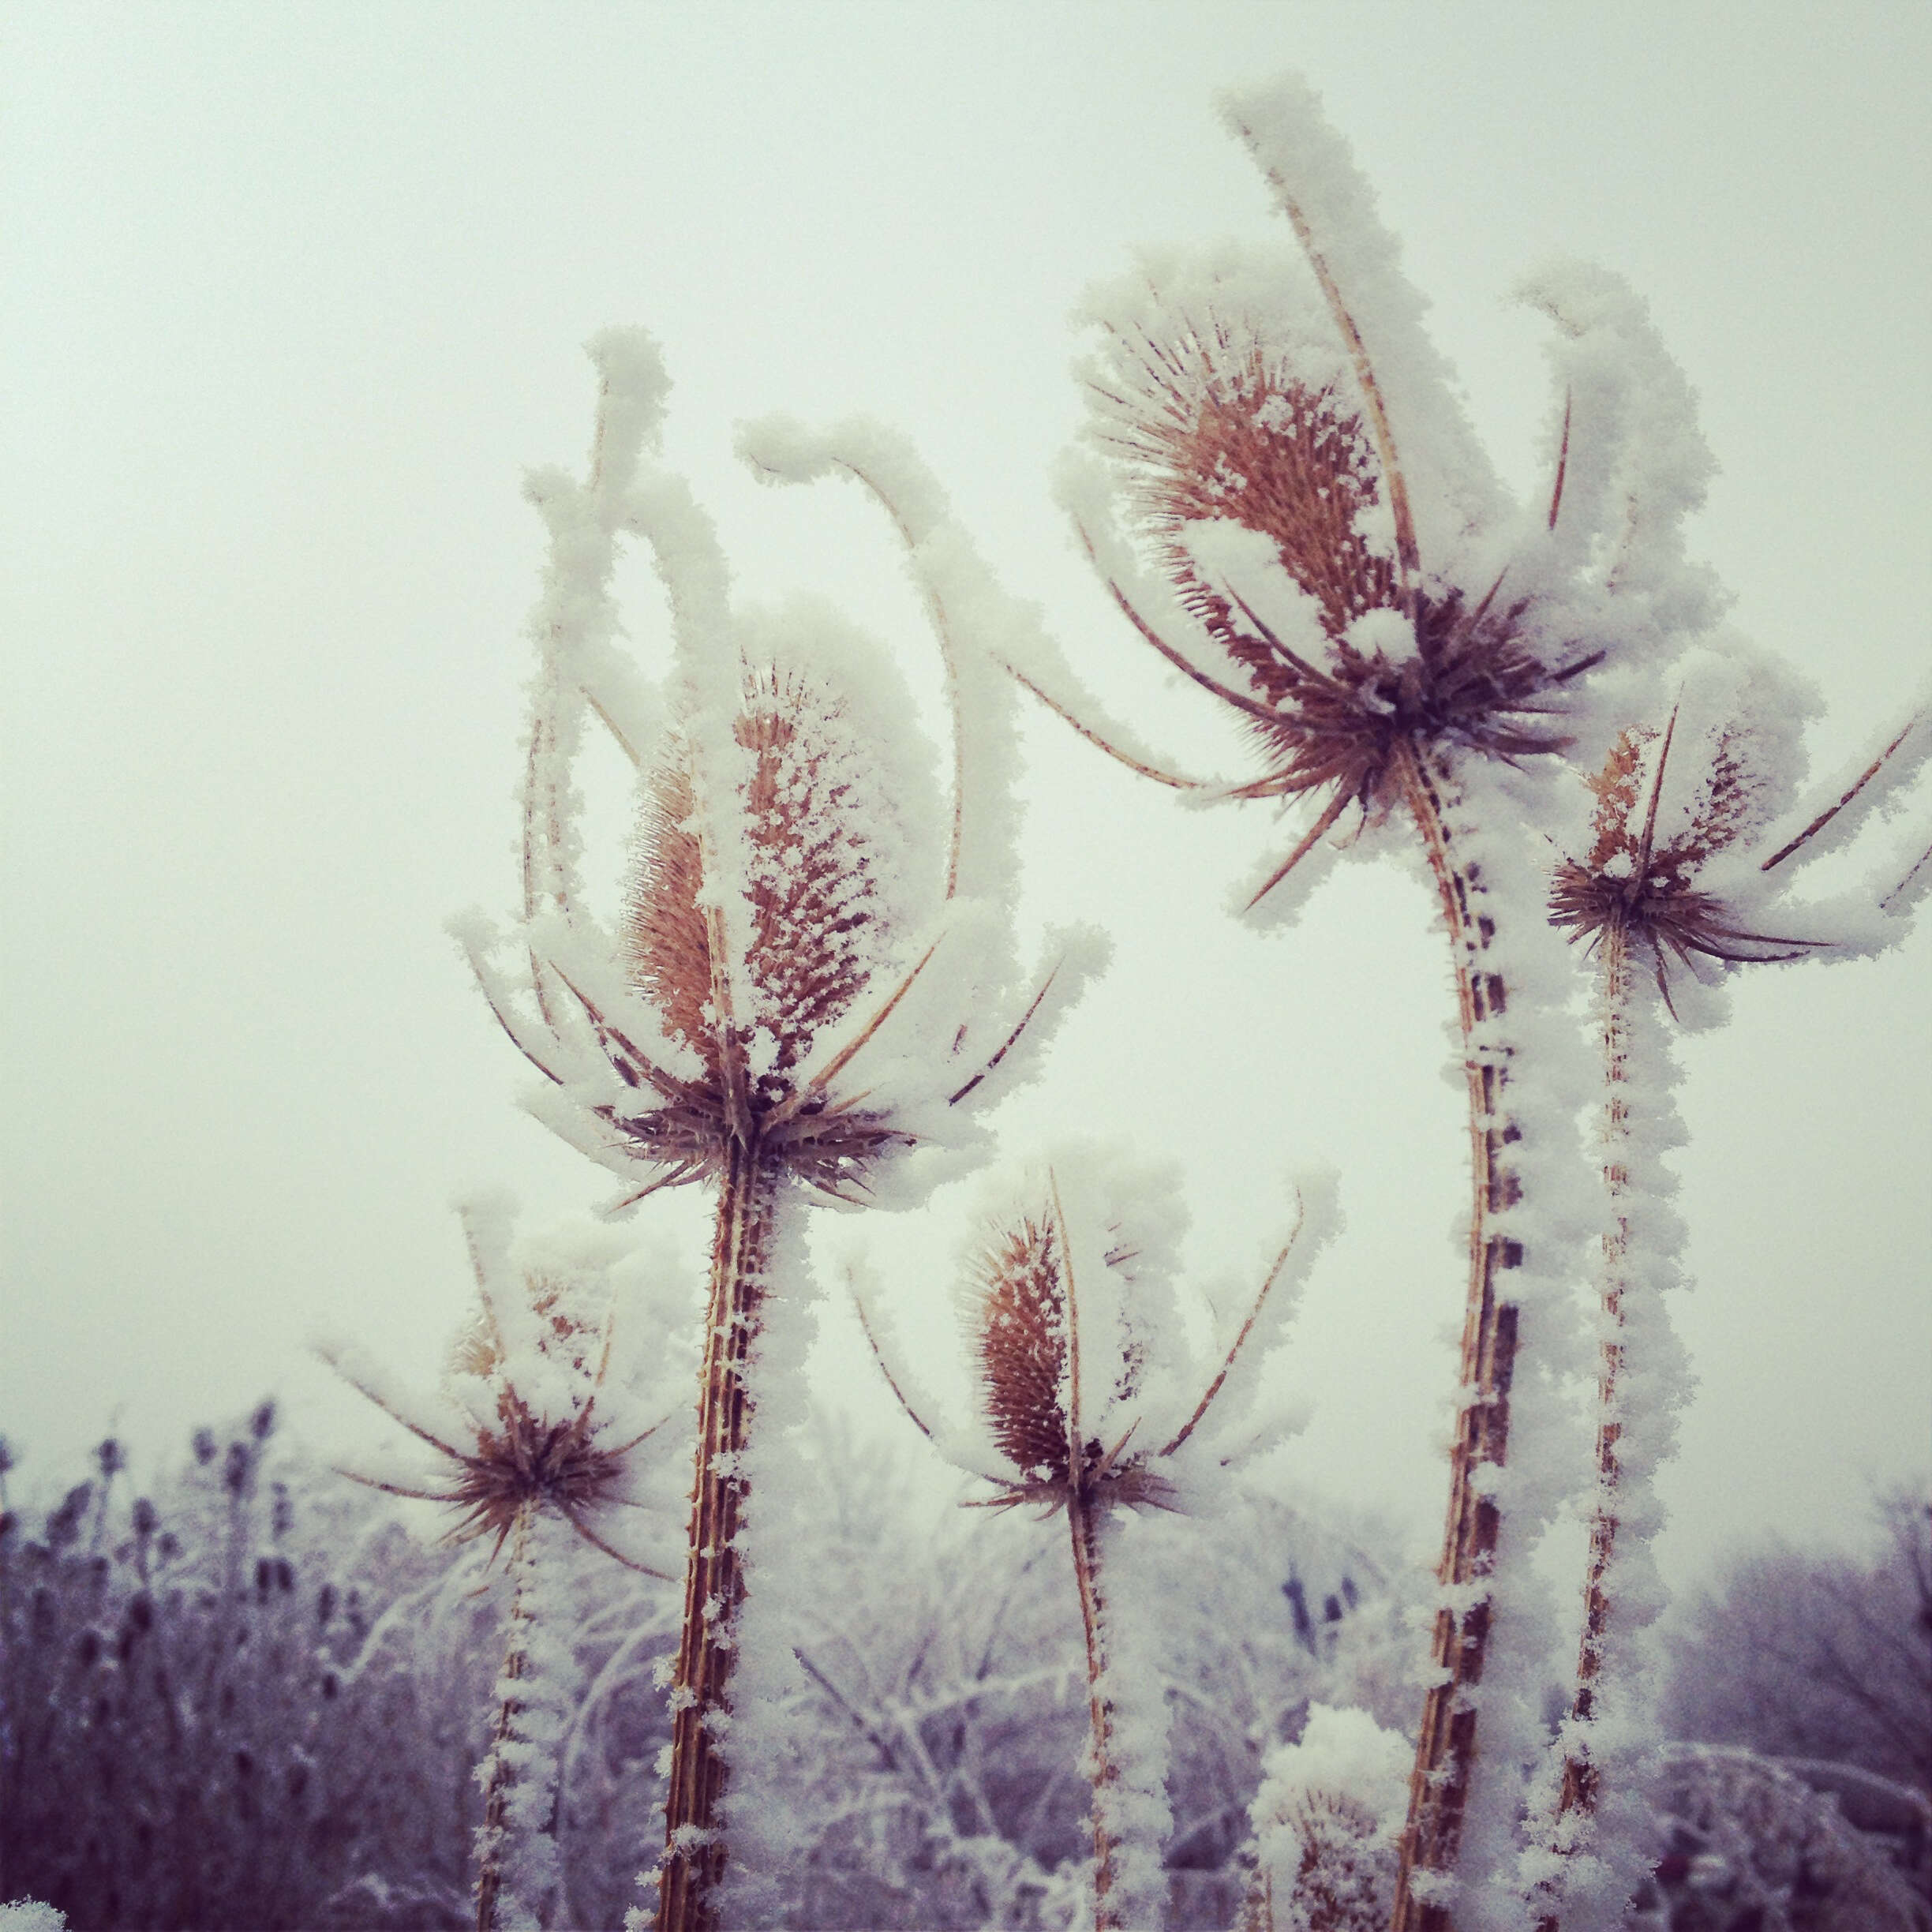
1439	1787
499	1775
1579	1788
695	1852
1083	1514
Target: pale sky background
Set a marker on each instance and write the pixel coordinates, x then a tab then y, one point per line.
290	296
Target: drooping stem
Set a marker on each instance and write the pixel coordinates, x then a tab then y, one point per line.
498	1774
694	1849
1083	1530
1439	1787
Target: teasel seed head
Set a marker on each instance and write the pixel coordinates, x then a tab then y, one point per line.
1210	424
532	1436
1643	887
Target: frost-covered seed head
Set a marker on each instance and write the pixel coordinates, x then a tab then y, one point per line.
1644	889
533	1454
820	930
1018	1307
1212	424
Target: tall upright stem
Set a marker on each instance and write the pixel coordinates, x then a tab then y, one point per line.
1439	1790
499	1775
1577	1797
1083	1529
694	1849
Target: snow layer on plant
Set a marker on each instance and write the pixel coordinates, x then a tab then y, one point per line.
778	1530
1253	1318
31	1915
1593	1862
537	1693
575	624
1326	1820
1133	1806
973	618
1549	1084
1313	174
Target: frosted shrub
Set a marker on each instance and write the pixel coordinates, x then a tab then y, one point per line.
189	1735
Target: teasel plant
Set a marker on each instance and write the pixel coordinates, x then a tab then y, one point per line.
1326	1818
537	1437
1285	501
1699	835
1089	1402
810	992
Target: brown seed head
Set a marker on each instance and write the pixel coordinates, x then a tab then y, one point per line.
819	932
1210	424
1634	884
1023	1337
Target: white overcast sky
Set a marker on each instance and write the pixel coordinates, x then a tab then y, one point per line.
289	296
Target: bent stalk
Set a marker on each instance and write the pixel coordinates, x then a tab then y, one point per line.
1438	1791
694	1857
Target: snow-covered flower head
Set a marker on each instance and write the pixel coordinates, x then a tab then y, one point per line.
528	1419
796	901
1085	1387
1286	500
1699	831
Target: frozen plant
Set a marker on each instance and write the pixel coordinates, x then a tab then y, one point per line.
1697	834
536	1435
1285	500
1327	1820
1090	1402
813	974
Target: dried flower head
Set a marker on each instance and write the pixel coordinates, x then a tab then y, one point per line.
1683	865
1290	508
1021	1292
820	933
525	1432
1212	425
1082	1379
785	906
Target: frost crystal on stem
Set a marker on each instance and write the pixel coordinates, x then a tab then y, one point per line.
801	988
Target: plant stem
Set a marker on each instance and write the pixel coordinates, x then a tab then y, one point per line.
694	1849
1084	1531
1578	1795
498	1774
1439	1790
